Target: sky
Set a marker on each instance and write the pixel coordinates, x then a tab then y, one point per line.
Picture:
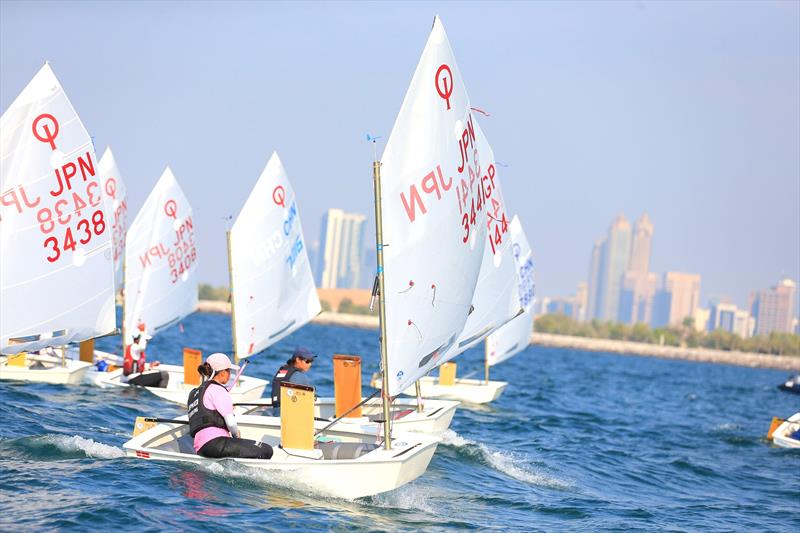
689	111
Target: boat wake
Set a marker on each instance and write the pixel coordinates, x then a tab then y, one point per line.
64	447
512	464
408	498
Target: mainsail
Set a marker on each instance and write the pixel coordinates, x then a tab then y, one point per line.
434	216
161	260
496	300
115	193
274	292
516	335
56	265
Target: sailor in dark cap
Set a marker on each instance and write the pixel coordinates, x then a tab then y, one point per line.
294	371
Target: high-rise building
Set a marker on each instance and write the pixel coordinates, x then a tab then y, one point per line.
684	291
638	284
642	244
341	248
727	316
636	298
773	308
581	297
593	288
617	253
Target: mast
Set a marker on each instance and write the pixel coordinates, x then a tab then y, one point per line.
376	175
486	358
124	291
419	396
233	308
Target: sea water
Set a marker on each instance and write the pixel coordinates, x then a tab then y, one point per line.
578	441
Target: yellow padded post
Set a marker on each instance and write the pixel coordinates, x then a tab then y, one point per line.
142	424
297	416
18	359
447	374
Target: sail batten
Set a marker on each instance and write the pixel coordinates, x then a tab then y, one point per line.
56	270
270	271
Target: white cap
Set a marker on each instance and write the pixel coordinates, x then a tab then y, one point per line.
220	362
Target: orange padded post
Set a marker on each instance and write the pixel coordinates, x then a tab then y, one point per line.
87	351
297	416
447	374
776	422
347	384
191	360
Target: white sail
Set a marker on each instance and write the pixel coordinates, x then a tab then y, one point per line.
516	335
496	299
56	268
116	195
161	260
274	292
433	219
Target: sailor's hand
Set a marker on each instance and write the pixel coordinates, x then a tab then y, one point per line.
154	364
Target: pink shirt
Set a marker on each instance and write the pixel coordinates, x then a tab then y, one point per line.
219	399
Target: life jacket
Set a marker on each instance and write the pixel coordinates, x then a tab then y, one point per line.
128	362
284	373
200	416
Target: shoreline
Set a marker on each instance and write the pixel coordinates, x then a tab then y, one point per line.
700	355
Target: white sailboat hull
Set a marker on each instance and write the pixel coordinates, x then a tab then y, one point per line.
473	391
72	373
247	389
434	419
782	435
374	472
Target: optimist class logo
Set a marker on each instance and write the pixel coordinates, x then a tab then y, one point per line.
48	136
444	83
279	196
171	209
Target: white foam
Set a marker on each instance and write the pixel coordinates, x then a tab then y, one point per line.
511	464
88	446
413	498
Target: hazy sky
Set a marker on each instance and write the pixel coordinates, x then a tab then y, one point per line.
687	110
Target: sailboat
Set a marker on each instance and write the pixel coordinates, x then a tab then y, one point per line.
161	284
427	271
56	266
115	193
273	293
503	343
495	302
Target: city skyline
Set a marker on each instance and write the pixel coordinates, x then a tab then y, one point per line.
595	109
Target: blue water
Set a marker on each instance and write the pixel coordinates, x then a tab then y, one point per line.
579	441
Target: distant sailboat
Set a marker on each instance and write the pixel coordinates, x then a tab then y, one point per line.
161	282
115	194
56	266
503	343
272	288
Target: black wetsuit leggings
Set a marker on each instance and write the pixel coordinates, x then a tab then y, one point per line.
151	379
233	447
